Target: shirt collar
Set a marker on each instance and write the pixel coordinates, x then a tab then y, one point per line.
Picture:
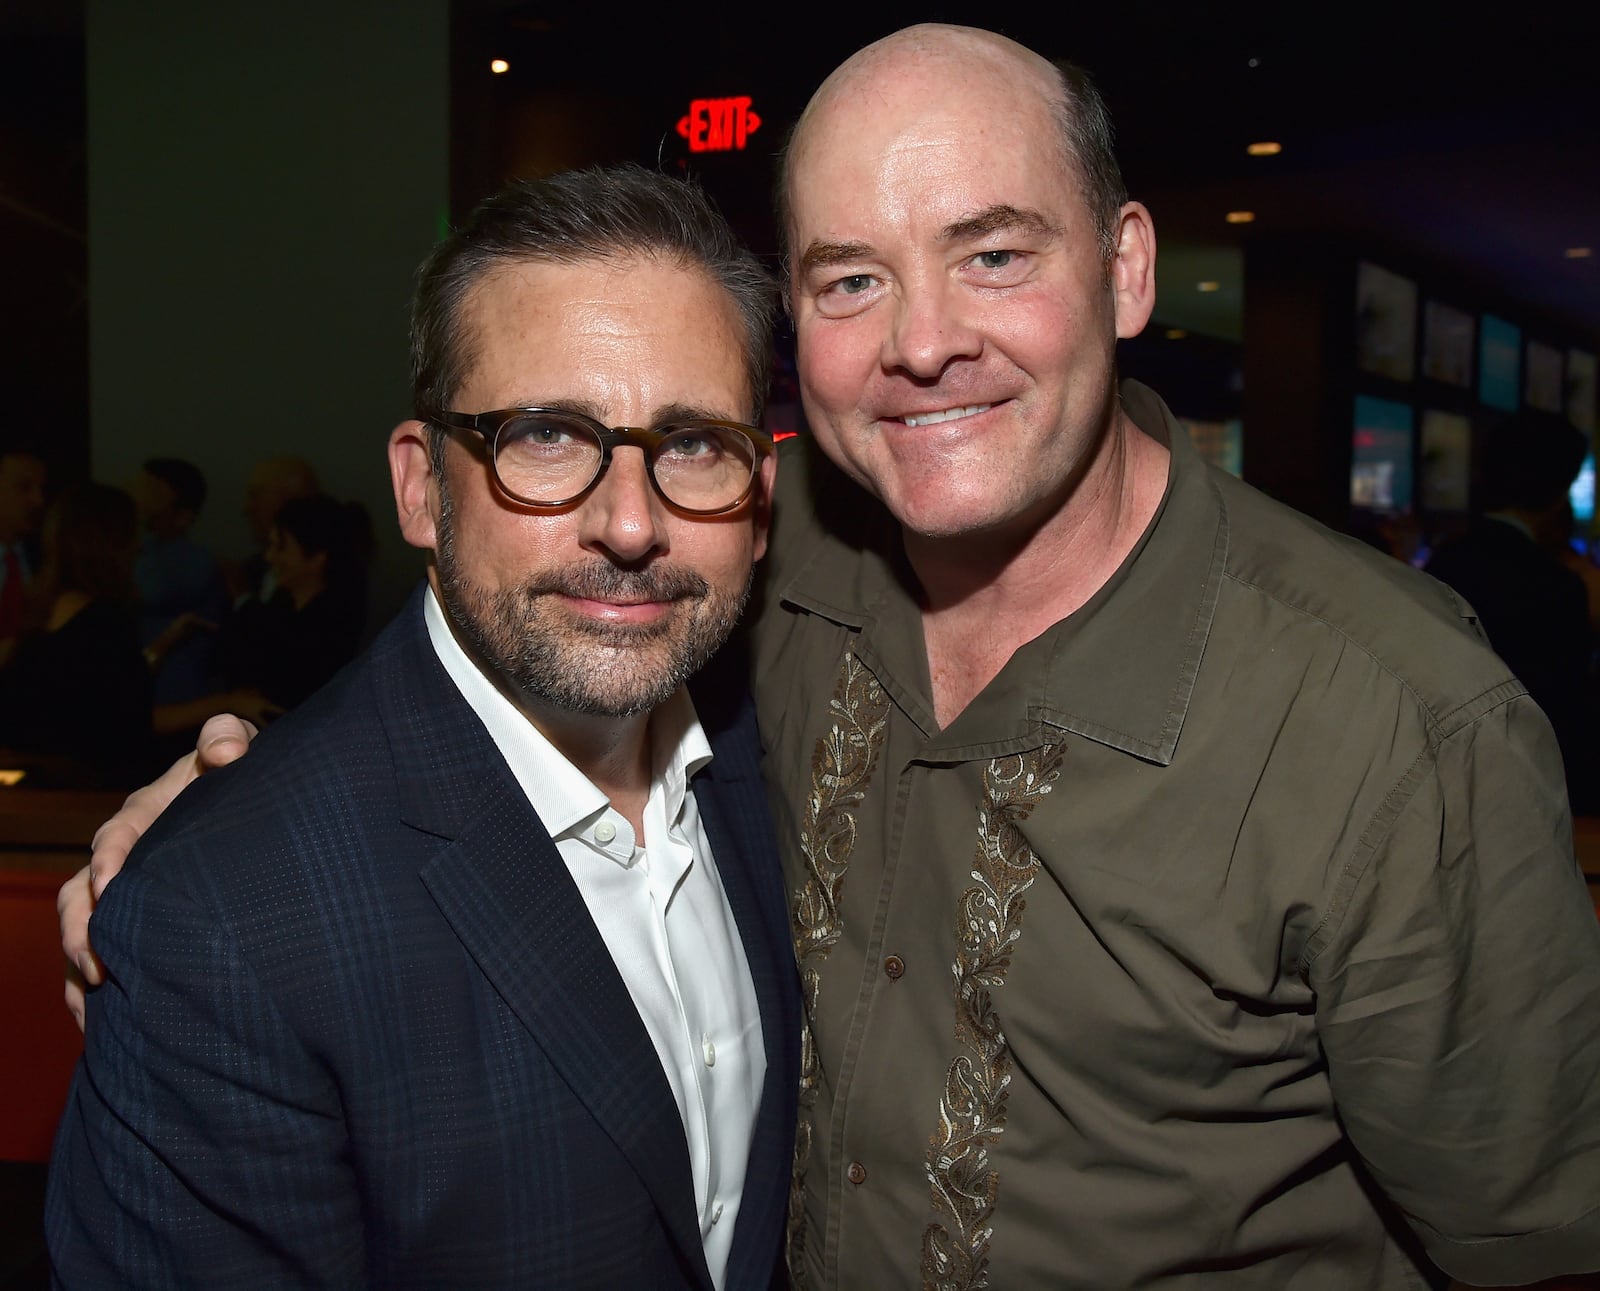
1121	670
562	796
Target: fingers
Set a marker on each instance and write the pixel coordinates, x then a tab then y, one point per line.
115	839
112	843
222	739
74	903
75	996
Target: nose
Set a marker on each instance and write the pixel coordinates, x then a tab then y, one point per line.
624	518
929	329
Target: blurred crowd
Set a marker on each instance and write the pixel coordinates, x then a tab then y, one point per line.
1530	577
121	633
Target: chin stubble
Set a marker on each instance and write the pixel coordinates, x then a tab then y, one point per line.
551	657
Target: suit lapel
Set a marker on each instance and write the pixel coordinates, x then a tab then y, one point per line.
503	888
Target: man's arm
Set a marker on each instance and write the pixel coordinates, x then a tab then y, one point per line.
202	1142
1459	1008
222	739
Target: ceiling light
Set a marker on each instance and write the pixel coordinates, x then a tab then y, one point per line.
1240	217
499	65
1579	253
1208	285
1264	148
1176	333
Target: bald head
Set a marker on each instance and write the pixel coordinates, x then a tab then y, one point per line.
930	65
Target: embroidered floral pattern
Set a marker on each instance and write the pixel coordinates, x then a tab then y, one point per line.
841	768
972	1109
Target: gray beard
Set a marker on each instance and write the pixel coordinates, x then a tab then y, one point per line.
552	659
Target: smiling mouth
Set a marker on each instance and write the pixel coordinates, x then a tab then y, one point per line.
947	414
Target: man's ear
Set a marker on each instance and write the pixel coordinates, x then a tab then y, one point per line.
411	472
761	502
1133	269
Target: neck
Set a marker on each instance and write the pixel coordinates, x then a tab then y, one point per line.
986	595
612	752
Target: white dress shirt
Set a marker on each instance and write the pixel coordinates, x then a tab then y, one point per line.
662	913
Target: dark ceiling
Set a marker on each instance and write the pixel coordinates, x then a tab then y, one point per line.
1443	138
1453	138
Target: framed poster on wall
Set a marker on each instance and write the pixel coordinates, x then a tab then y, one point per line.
1499	363
1446	461
1380	458
1386	323
1581	390
1447	336
1543	390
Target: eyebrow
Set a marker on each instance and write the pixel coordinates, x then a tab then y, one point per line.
999	218
825	255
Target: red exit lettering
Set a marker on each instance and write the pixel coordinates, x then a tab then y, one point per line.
718	125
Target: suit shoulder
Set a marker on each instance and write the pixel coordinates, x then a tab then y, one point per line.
306	770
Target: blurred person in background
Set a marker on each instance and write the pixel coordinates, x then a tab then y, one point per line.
274	653
22	483
77	661
317	552
1510	567
176	576
273	481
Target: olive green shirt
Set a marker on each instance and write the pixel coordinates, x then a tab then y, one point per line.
1231	936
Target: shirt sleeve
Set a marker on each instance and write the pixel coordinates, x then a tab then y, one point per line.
1458	1001
200	1144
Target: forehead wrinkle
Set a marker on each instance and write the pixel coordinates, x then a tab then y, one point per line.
664	414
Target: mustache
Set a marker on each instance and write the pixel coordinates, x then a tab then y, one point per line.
609	582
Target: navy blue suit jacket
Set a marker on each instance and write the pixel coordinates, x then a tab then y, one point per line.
359	1029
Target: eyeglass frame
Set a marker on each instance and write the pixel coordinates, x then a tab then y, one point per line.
489	424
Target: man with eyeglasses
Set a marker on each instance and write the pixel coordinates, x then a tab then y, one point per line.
477	972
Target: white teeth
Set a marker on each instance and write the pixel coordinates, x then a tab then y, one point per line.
949	414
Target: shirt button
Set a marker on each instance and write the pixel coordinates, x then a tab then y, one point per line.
710	1051
604	832
894	967
857	1173
716	1212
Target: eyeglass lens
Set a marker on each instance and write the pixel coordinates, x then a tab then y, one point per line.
548	459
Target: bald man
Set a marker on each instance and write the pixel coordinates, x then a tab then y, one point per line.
1184	896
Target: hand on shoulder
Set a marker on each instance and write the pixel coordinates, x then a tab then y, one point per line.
223	739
